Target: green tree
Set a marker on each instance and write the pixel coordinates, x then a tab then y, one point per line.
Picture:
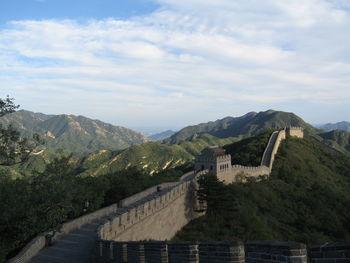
7	106
13	147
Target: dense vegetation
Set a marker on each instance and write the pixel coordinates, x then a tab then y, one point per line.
306	199
249	151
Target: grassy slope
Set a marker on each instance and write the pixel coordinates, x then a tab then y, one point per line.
306	199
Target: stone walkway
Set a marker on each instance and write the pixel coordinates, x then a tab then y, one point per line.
267	156
78	246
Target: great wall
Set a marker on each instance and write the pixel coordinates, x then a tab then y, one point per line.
117	233
215	160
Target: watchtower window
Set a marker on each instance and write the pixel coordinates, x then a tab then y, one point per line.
202	167
211	168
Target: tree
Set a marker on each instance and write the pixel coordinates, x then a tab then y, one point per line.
13	147
7	106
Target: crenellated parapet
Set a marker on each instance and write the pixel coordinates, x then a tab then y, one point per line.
216	161
205	252
151	216
170	252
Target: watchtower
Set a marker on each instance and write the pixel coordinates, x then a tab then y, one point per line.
295	131
214	159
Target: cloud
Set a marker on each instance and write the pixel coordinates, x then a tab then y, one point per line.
220	58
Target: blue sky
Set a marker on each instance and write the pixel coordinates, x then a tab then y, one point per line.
170	63
77	9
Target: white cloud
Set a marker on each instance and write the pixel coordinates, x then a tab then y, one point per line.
218	57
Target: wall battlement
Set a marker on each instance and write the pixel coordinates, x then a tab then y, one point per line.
221	165
151	216
202	252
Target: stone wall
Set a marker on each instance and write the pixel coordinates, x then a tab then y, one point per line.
212	252
275	252
85	219
295	131
240	172
280	137
157	216
330	253
30	250
136	197
169	252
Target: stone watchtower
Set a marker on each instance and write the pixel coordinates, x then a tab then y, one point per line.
295	132
214	159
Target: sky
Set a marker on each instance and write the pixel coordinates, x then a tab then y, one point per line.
159	64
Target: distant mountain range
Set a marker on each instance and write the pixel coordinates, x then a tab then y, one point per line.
344	125
105	148
76	134
162	135
182	146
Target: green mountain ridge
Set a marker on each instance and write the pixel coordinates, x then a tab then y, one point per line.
76	134
338	139
247	125
151	157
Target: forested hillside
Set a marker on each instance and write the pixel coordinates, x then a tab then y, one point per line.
337	139
306	199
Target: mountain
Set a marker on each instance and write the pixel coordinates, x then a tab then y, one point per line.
76	134
338	139
344	125
152	157
103	150
247	125
162	135
303	200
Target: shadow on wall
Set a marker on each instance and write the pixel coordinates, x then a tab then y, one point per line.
192	204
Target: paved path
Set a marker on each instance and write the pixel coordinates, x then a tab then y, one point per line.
78	246
267	156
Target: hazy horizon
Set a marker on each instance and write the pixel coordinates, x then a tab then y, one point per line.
169	64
